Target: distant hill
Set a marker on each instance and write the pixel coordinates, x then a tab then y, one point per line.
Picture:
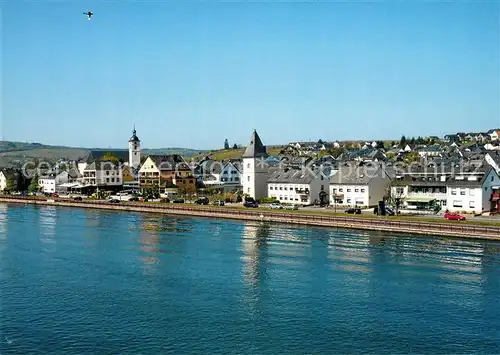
21	151
229	154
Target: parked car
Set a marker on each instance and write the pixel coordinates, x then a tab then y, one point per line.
454	216
202	201
275	206
165	200
291	207
113	200
252	204
54	195
179	200
135	198
77	198
218	203
353	210
389	211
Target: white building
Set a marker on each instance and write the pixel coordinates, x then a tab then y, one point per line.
134	150
213	173
472	193
103	173
52	182
430	151
494	134
104	168
493	158
255	170
362	185
298	186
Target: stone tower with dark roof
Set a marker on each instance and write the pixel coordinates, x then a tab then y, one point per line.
134	150
255	168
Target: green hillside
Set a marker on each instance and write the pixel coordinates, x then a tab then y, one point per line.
18	152
229	154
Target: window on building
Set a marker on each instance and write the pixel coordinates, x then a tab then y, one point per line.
457	203
248	178
107	172
286	188
348	190
348	200
340	190
248	165
248	190
270	187
462	192
453	192
322	187
471	192
112	179
356	190
334	190
471	204
107	179
362	190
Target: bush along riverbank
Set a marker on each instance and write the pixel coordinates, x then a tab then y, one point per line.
397	224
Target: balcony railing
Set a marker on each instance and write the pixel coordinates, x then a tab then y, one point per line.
437	195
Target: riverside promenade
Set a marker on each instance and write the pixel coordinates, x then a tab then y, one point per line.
386	224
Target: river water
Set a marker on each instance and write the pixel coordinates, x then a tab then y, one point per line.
75	281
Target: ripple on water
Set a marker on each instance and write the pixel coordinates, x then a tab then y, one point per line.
83	281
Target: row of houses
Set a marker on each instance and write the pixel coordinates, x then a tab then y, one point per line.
466	182
467	185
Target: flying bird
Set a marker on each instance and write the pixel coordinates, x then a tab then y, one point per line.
88	14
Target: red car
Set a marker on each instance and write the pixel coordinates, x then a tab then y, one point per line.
454	216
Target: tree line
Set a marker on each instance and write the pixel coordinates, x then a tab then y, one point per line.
226	145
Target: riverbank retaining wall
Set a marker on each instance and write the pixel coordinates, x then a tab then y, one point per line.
459	229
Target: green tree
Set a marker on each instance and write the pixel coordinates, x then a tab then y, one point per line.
9	184
235	146
108	156
411	157
226	144
336	152
34	185
380	144
391	155
403	142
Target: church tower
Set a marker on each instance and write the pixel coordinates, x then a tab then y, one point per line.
255	171
134	150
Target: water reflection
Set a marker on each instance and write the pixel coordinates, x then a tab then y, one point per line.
3	221
3	227
149	241
350	253
155	233
47	220
163	224
254	245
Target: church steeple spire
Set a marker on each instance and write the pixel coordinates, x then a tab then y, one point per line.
134	137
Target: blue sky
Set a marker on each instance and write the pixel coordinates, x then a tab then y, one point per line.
190	74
